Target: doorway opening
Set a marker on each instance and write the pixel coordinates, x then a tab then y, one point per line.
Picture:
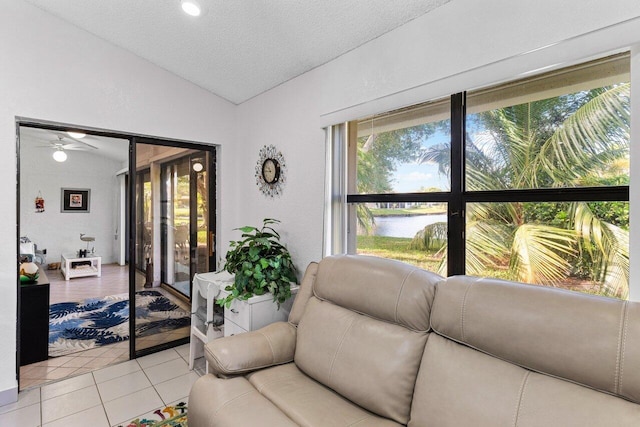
111	243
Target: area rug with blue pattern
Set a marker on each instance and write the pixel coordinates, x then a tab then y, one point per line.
90	323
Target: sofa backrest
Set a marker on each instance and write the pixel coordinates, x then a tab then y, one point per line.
516	354
363	330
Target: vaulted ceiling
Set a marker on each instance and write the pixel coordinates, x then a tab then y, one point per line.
239	48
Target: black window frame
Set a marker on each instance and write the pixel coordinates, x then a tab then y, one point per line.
458	198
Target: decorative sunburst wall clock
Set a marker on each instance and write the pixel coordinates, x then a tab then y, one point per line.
270	171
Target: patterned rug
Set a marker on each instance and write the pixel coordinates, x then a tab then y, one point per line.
78	326
171	416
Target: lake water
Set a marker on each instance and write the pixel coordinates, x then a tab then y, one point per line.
405	226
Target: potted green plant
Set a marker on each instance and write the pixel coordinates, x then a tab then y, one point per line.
260	264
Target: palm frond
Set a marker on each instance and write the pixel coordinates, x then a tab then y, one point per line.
608	248
485	244
597	133
539	252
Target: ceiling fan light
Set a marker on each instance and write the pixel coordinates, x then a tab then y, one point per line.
77	135
191	7
59	156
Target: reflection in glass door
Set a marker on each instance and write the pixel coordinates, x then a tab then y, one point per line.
143	219
187	240
174	226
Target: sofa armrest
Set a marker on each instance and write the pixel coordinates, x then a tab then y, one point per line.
274	344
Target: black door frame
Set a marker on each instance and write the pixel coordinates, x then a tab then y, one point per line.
130	213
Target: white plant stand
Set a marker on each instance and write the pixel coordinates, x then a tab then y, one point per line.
254	313
74	266
206	288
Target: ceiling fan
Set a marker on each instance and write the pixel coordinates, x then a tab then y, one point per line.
63	143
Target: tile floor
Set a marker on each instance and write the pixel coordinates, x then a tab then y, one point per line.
109	396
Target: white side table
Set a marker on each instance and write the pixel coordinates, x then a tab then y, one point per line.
74	266
255	313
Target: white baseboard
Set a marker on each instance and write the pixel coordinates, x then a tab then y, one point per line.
9	395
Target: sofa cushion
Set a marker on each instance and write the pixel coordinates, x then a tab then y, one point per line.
586	339
309	403
382	288
304	293
232	402
370	362
460	386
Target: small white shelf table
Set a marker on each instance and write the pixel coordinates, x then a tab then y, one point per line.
74	266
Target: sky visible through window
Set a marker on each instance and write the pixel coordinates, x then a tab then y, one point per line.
414	176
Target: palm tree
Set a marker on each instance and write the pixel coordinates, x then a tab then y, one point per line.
558	142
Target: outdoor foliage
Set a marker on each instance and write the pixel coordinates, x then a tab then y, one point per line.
572	140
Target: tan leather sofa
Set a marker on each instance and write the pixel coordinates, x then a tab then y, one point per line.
375	342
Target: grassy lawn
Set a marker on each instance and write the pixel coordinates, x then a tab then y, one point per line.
429	210
397	248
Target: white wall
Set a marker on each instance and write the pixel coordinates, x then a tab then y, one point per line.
50	70
60	232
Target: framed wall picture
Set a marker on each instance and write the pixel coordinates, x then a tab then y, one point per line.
75	199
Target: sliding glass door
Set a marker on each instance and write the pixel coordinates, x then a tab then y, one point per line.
187	240
174	238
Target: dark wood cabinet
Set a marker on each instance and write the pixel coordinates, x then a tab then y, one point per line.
34	321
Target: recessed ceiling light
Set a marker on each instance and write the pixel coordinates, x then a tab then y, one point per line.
76	134
191	7
198	167
59	156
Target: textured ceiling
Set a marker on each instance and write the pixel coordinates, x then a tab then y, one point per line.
239	48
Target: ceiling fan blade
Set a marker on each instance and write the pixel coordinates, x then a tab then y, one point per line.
62	136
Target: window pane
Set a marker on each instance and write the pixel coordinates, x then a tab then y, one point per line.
415	233
568	128
578	246
405	151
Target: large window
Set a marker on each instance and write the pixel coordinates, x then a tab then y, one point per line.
526	181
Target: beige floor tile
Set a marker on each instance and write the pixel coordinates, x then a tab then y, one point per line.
157	358
121	386
95	352
115	371
26	385
26	398
183	351
28	416
59	361
59	388
114	352
94	417
69	404
76	362
128	407
37	372
60	373
167	370
176	388
100	362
